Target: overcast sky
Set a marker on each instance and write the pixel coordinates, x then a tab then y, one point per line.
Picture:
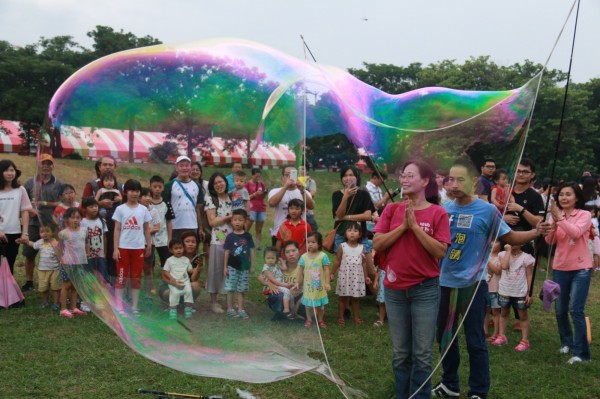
343	33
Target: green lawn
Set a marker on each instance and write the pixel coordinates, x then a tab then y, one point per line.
45	356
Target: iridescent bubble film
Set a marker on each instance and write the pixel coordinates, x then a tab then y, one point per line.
234	89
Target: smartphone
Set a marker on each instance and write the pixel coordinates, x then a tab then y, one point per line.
351	182
294	175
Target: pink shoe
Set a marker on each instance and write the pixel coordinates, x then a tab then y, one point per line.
77	312
66	313
491	338
501	340
523	346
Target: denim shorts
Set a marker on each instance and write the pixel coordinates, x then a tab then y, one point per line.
507	301
381	292
493	300
258	216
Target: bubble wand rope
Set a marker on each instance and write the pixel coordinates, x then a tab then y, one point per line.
558	139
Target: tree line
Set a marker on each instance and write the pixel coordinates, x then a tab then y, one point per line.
30	75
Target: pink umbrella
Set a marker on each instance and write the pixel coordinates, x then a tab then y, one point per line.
10	293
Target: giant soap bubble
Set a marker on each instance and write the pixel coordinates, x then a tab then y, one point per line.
241	90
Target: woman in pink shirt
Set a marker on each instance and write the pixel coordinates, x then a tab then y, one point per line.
572	269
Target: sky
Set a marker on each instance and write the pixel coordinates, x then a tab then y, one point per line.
343	33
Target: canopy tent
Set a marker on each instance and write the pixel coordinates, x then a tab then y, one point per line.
10	141
94	143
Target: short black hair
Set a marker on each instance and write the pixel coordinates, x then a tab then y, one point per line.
175	241
498	173
271	250
488	159
240	212
132	185
145	191
468	165
296	202
240	173
88	201
528	163
157	179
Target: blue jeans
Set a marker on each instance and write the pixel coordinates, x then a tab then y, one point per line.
412	314
574	287
479	360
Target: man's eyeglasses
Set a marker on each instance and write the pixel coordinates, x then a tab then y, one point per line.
523	172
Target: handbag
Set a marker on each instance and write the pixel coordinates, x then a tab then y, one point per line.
329	239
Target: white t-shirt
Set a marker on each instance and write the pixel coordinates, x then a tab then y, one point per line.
178	268
12	202
281	210
185	210
48	258
95	230
132	225
374	191
513	281
224	208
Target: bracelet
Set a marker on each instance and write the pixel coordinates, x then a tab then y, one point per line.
25	234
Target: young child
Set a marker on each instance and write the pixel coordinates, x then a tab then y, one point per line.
146	200
500	194
513	288
315	264
48	265
271	271
95	228
238	263
161	239
240	195
109	191
350	261
294	228
131	235
73	249
176	272
66	193
495	267
379	259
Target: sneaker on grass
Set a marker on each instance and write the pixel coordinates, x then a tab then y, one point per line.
442	391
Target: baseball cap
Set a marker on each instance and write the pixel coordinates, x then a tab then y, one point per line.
182	158
46	157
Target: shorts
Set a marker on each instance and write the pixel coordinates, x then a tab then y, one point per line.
257	216
34	235
367	244
381	292
49	279
493	301
508	301
237	280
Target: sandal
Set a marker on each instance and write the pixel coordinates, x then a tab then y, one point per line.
491	338
358	321
322	324
341	322
378	323
308	323
523	346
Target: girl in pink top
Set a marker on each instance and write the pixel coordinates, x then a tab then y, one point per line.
572	269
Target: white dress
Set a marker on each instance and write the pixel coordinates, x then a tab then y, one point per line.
351	278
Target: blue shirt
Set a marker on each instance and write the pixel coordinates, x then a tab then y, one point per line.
230	184
473	228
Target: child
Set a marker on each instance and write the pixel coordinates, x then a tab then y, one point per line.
513	288
176	272
379	259
240	195
500	194
146	200
48	265
272	272
315	264
95	228
294	228
238	262
351	263
73	249
66	193
162	237
109	191
132	233
495	267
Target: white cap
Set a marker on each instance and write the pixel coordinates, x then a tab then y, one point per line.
182	158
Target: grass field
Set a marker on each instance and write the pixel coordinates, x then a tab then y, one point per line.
45	356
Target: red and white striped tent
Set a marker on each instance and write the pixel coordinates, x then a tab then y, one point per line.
94	143
10	142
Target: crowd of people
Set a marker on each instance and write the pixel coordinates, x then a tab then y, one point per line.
457	245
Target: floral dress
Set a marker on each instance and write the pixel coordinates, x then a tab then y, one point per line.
351	277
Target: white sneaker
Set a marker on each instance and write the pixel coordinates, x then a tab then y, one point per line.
216	308
575	359
85	307
564	350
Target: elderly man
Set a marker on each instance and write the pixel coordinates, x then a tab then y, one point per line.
186	198
43	192
280	196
